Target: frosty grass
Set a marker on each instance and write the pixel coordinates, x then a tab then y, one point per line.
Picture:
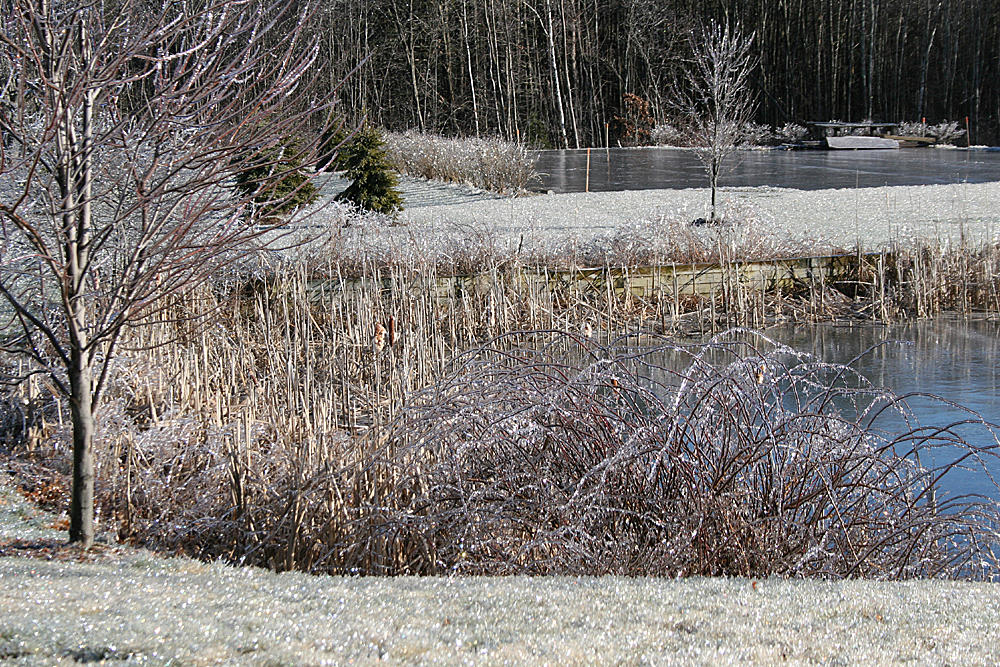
136	607
873	217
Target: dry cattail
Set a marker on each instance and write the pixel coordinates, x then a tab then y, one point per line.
380	335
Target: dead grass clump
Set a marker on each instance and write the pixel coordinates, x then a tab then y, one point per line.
466	249
490	164
744	235
926	280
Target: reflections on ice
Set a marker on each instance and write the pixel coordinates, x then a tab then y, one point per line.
652	168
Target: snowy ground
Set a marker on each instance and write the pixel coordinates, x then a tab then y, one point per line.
874	216
135	607
456	226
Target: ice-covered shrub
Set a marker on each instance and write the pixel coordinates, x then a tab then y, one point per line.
490	164
947	132
791	133
913	129
674	134
757	134
666	134
751	460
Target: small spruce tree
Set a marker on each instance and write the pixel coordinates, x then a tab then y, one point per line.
332	142
366	163
289	192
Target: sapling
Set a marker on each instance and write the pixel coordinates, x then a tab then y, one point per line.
132	125
714	99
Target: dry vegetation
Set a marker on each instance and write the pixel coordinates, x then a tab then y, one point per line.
361	242
392	423
489	164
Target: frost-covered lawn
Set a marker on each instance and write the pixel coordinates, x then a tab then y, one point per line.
874	216
135	606
452	221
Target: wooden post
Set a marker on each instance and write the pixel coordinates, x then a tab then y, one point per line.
587	187
968	133
607	141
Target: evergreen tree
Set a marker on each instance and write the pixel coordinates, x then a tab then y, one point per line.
287	186
331	145
366	163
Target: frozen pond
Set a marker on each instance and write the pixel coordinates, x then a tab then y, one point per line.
656	168
952	359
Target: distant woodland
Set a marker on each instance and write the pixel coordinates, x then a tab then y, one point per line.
555	72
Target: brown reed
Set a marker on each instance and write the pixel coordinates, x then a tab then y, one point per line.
295	428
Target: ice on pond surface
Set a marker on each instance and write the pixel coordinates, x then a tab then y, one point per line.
654	168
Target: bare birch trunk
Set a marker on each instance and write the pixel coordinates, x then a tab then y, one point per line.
80	372
468	56
80	65
412	57
555	77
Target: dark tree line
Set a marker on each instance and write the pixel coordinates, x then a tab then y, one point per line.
555	72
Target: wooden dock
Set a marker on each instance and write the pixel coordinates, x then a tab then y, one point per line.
676	280
861	136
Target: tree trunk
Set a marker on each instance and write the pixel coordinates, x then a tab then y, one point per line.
555	77
713	178
468	57
81	508
80	370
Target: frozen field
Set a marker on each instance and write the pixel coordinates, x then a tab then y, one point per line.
134	607
443	221
874	216
545	223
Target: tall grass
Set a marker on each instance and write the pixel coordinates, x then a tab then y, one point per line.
359	243
391	423
490	164
927	279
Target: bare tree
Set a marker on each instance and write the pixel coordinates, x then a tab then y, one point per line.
713	96
130	122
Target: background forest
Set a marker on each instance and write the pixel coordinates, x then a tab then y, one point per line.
554	72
